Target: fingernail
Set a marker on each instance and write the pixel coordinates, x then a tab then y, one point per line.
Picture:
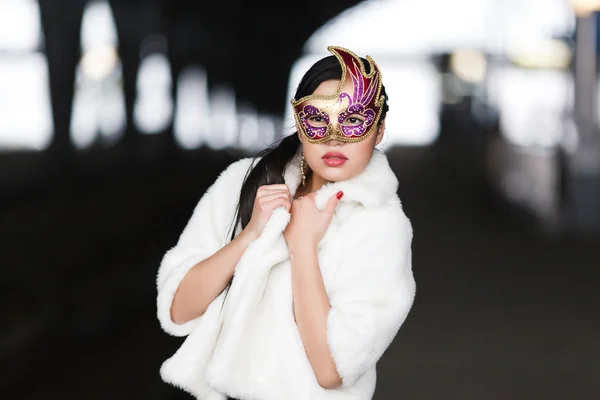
339	194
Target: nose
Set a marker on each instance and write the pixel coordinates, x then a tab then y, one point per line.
334	143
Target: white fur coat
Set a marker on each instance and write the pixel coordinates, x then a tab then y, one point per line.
249	346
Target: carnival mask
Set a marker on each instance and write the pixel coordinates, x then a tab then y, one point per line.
347	117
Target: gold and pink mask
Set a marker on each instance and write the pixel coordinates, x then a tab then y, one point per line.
347	117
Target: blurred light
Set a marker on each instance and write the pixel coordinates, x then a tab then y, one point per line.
98	41
192	117
84	119
414	28
20	25
571	136
98	112
533	104
585	7
223	118
153	107
248	127
98	26
469	65
404	27
112	113
256	130
267	128
531	22
99	62
414	91
542	54
25	107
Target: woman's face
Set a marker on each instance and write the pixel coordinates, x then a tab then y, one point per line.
354	157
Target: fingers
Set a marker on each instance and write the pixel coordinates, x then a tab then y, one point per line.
272	188
270	197
270	200
265	198
280	201
333	202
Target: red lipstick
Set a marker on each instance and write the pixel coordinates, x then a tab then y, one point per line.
334	159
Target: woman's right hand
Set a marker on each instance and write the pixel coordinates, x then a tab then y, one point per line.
268	198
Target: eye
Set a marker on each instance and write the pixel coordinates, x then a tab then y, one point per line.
317	121
354	120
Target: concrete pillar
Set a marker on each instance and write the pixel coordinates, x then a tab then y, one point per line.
583	165
61	26
586	75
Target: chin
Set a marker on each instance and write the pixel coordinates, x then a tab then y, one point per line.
334	174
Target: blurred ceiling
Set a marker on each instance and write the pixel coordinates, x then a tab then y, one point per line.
251	45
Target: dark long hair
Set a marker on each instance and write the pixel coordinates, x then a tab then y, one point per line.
269	169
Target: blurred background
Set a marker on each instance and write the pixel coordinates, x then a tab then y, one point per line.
116	116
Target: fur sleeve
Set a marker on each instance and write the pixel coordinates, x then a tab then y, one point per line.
372	296
205	233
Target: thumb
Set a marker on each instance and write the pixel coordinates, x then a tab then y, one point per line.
333	202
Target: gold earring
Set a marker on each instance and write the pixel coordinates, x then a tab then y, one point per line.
302	170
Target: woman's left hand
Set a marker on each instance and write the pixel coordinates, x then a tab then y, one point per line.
308	224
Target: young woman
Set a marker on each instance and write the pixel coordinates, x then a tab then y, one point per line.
294	274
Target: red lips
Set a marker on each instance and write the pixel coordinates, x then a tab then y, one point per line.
334	159
335	154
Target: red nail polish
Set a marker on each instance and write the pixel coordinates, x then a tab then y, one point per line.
339	195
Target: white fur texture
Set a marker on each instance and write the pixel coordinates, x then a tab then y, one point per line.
248	346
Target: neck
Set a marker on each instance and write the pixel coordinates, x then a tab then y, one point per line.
313	183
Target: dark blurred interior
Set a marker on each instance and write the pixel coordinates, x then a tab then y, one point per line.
116	116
